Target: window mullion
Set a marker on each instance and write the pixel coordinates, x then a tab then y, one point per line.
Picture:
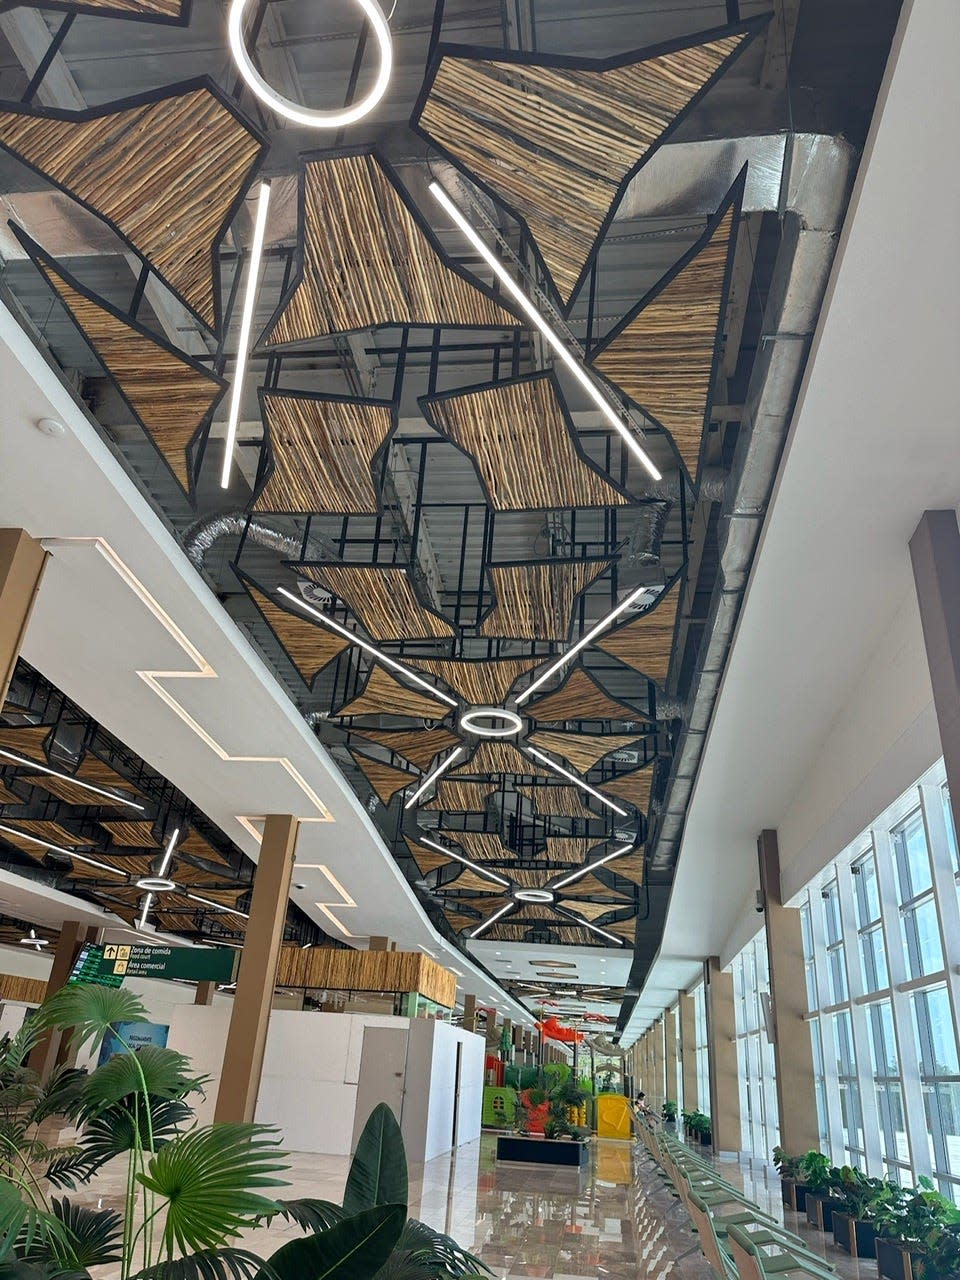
869	1111
945	894
831	1078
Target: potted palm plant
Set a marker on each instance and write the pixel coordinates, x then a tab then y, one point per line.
189	1189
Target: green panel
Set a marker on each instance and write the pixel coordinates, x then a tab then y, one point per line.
194	964
499	1107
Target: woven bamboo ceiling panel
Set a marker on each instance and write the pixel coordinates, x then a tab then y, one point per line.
479	683
419	746
562	802
381	265
93	769
580	698
647	643
593	910
535	601
322	449
382	598
169	11
526	451
557	138
7	796
308	646
470	880
567	848
499	757
67	790
634	787
170	394
458	921
528	879
662	353
384	696
200	847
587	886
481	846
144	166
42	830
582	750
384	778
427	860
629	868
27	742
455	796
624	928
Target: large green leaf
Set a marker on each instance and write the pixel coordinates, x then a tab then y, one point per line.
210	1264
378	1174
91	1012
166	1073
354	1249
23	1225
207	1175
422	1253
27	1269
313	1215
93	1235
113	1132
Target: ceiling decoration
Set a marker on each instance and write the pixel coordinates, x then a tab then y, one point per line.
630	868
28	741
456	796
580	697
587	886
567	849
634	787
499	758
321	451
310	648
18	832
526	450
7	796
479	682
663	353
420	746
383	695
559	801
556	139
101	774
140	164
647	643
583	750
534	601
393	272
68	790
594	910
172	12
481	846
384	778
170	394
132	835
382	598
427	860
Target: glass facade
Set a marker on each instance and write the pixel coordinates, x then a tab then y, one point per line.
881	940
700	1046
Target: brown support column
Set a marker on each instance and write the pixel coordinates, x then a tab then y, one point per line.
659	1065
21	567
935	552
688	1051
379	943
257	978
73	935
670	1058
469	1013
205	993
722	1056
792	1048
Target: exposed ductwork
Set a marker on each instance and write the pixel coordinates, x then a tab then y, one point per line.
201	537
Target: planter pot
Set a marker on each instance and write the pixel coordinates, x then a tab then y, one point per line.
670	1120
820	1208
706	1139
854	1236
793	1194
534	1150
894	1259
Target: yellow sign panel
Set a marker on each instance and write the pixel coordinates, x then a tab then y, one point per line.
613	1116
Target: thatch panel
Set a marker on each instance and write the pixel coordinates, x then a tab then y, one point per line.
493	758
67	790
149	10
322	449
8	797
593	910
384	778
586	886
377	266
468	879
308	645
630	867
535	601
382	598
480	683
556	801
384	696
626	929
581	698
427	860
420	746
26	742
633	787
132	835
557	143
480	846
646	644
146	169
582	750
459	922
42	830
200	847
93	769
568	848
455	796
523	445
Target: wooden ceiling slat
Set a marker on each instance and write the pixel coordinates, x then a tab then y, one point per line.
384	696
556	801
322	449
582	750
27	741
378	266
383	598
535	601
646	644
309	646
132	835
480	683
519	437
145	169
420	746
557	144
634	787
93	769
384	778
580	697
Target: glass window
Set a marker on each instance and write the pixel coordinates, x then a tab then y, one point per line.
933	1026
921	935
831	913
867	891
874	957
851	1114
912	857
951	826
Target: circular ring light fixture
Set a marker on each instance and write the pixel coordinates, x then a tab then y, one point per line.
491	722
314	119
533	895
33	941
156	884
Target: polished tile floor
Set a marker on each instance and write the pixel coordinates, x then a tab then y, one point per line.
613	1220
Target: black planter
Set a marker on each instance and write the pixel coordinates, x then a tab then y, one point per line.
894	1259
820	1207
541	1151
793	1194
854	1236
706	1139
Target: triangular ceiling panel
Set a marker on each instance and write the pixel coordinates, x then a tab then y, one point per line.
479	683
420	746
534	601
93	769
176	12
557	139
496	758
519	436
626	929
459	922
7	796
170	394
580	698
568	848
392	272
557	801
322	449
427	860
593	910
143	166
456	796
26	742
70	792
582	750
634	787
646	644
382	597
662	354
480	846
384	778
40	830
468	879
384	696
200	847
309	646
630	867
586	886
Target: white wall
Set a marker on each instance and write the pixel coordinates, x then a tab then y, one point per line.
431	1088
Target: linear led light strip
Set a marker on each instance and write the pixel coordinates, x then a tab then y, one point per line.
246	324
481	871
572	777
217	906
572	915
591	866
552	337
67	777
59	848
164	867
492	920
338	888
431	778
204	672
367	647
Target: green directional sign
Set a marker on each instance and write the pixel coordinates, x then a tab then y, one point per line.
194	964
